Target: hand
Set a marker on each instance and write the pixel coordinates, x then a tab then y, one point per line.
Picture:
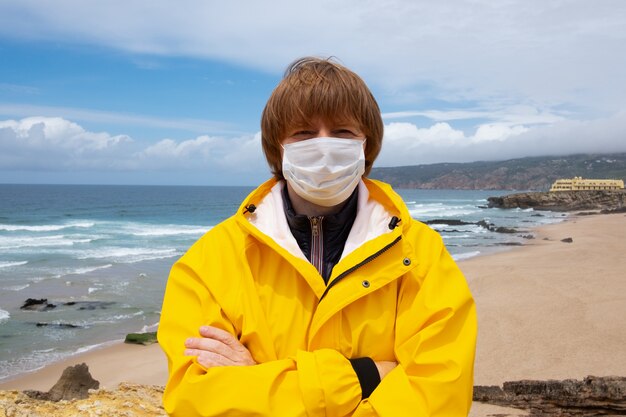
384	367
217	347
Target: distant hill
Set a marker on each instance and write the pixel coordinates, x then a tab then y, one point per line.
532	173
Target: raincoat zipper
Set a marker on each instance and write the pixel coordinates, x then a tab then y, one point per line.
360	264
317	243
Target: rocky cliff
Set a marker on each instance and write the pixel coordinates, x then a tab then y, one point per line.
536	173
593	396
563	200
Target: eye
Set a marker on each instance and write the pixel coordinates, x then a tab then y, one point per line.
302	134
346	133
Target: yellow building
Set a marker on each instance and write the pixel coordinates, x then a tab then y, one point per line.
578	183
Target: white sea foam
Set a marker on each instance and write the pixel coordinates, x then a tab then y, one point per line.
457	236
108	320
149	327
10	264
127	255
16	287
44	228
465	255
4	315
10	242
86	270
168	230
437	210
96	346
91	290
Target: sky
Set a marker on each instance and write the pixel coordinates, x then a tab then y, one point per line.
163	92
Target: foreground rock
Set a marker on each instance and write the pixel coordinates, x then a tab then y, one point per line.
127	400
593	396
141	338
609	201
75	383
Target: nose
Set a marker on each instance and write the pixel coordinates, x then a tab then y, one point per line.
324	132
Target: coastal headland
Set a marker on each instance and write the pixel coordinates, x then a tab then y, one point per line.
551	309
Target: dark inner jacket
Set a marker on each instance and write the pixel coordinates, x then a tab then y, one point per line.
324	250
335	229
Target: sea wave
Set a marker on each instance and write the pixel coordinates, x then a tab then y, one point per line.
86	270
456	236
168	230
419	211
10	264
96	346
10	242
15	287
127	255
465	255
4	315
108	320
45	227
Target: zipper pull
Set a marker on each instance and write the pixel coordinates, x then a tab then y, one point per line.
314	226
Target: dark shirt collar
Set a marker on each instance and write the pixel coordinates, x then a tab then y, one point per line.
335	221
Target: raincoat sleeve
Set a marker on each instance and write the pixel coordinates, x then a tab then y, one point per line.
321	382
435	345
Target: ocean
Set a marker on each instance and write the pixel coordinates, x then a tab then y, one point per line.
100	255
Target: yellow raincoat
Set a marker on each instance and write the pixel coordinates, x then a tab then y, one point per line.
395	295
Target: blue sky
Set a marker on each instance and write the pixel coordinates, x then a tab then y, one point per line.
156	92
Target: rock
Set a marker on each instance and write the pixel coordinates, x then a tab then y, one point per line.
449	222
41	304
593	396
615	210
75	382
493	228
94	305
527	236
59	325
501	229
563	200
141	338
567	240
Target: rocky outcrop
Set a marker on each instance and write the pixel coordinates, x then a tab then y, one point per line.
486	224
141	338
593	396
126	400
40	304
534	173
563	200
75	383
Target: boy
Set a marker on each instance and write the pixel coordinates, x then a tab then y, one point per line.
320	296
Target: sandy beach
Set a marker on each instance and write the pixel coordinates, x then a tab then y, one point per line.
547	310
110	365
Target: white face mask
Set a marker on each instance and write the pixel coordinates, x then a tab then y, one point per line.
324	171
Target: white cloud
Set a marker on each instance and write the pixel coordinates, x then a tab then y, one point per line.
56	144
509	115
115	118
553	52
496	132
406	144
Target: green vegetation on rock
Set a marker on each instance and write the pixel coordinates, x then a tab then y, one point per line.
141	338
